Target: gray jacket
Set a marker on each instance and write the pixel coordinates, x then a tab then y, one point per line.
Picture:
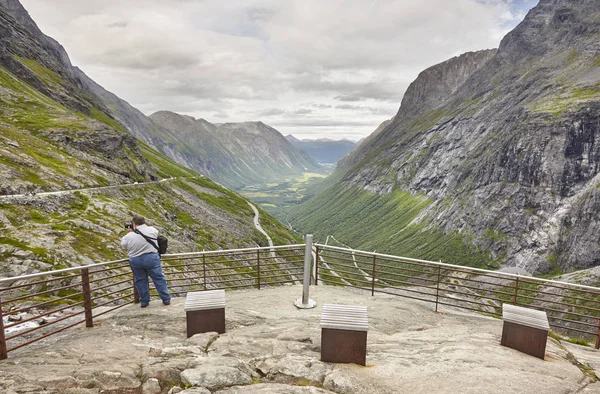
136	244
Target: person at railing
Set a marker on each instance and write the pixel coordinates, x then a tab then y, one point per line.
145	260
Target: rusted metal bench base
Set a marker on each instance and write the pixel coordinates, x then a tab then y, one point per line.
525	330
205	320
343	346
205	311
525	339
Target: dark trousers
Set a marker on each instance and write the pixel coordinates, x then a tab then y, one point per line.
149	265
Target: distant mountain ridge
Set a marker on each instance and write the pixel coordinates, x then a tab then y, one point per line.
492	154
323	150
235	154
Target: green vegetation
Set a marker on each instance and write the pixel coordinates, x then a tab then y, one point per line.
579	341
568	100
165	167
427	120
278	197
42	253
383	223
46	75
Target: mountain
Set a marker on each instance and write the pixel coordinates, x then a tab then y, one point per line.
59	138
235	154
492	158
325	151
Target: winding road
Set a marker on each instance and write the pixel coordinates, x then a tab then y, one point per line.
259	227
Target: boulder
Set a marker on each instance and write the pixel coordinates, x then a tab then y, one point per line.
215	376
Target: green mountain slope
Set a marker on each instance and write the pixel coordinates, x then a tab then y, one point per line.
386	224
234	154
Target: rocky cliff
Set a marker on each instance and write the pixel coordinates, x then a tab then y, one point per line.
235	154
500	153
71	174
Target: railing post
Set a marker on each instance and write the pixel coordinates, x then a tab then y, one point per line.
87	297
437	289
258	268
305	302
3	347
136	295
373	278
516	290
597	346
204	270
316	265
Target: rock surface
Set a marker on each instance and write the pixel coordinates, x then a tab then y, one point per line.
272	347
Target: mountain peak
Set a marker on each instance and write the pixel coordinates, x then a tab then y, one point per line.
553	24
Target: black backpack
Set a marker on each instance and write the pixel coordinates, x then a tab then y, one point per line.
163	242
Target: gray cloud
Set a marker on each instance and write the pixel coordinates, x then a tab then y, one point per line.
275	59
348	97
118	24
271	112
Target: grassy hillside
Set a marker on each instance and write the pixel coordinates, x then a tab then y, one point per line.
382	223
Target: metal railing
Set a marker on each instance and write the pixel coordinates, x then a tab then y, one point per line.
36	306
33	307
572	309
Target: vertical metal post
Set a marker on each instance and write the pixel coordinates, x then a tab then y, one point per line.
437	290
316	265
258	268
597	346
87	297
204	269
3	348
305	302
373	278
136	295
516	290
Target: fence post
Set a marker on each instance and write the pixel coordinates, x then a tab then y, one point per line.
136	295
597	346
258	267
305	302
516	290
87	297
204	269
316	265
437	290
373	278
3	347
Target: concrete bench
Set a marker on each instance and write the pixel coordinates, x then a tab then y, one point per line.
344	334
205	311
525	330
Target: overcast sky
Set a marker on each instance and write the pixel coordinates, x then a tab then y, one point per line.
311	68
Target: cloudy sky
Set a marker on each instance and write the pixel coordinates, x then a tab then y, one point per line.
311	68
